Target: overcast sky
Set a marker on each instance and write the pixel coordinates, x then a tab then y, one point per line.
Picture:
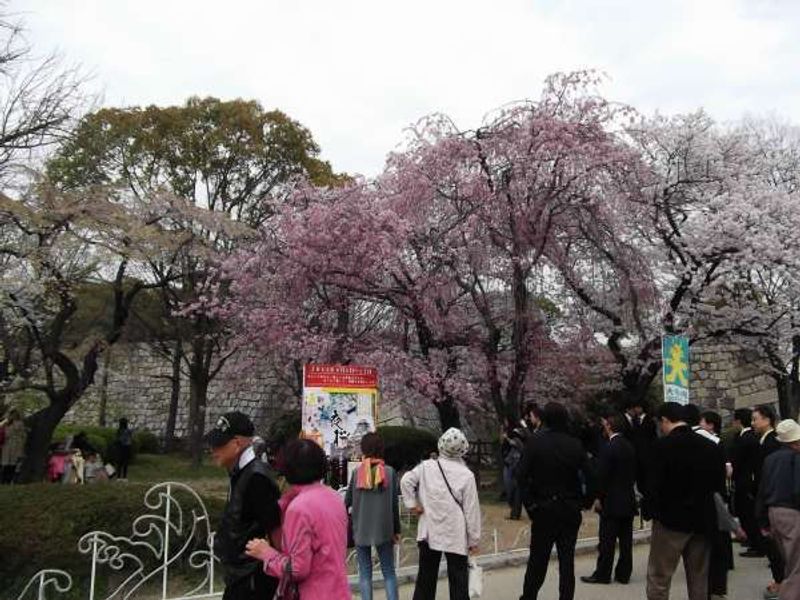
358	72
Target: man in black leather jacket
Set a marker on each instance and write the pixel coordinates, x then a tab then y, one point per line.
252	510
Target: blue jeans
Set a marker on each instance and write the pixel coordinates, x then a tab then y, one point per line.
386	556
513	492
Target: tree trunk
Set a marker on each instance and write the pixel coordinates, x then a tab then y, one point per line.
636	384
783	385
101	417
174	399
198	395
522	347
342	329
448	414
793	401
41	426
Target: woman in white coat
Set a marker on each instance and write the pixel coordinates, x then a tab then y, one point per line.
442	492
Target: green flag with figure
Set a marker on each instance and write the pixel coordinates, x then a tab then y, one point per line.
675	359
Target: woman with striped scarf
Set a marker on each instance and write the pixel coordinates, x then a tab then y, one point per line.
373	495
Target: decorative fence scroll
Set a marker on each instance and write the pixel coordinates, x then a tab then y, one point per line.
173	533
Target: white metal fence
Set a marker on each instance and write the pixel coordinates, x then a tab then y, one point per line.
169	556
169	533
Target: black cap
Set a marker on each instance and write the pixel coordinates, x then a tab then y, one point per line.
229	426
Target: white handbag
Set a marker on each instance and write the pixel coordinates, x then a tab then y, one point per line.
475	579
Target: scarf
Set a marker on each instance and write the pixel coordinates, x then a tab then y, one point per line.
371	474
453	444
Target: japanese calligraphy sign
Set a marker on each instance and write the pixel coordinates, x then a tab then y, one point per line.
339	406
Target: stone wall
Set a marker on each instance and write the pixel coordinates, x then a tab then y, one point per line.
725	377
139	388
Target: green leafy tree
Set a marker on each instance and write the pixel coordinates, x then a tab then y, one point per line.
232	159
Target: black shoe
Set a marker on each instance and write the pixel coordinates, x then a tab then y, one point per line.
622	581
593	579
752	554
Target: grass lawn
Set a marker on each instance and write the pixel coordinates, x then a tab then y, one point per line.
208	480
172	467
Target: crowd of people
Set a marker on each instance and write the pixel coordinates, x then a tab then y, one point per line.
295	545
73	460
672	468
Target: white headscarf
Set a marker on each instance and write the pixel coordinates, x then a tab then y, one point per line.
453	444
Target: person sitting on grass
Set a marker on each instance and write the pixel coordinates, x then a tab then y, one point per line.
94	469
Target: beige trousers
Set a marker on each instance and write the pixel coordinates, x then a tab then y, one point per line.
667	547
785	526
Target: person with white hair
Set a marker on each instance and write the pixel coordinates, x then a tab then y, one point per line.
778	504
443	494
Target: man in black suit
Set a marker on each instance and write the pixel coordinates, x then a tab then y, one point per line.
616	503
551	473
721	545
687	470
640	430
763	421
744	456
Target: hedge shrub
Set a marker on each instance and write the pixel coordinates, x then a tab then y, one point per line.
104	438
101	438
146	442
286	427
407	446
41	524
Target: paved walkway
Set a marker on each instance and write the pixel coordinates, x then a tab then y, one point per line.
746	582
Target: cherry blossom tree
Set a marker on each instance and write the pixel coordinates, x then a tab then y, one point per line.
659	265
485	258
453	240
761	295
39	99
53	244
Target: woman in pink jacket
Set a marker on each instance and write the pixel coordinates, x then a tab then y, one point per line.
314	531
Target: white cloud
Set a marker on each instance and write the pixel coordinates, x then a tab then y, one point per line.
356	72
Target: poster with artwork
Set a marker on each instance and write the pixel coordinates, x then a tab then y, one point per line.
339	406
